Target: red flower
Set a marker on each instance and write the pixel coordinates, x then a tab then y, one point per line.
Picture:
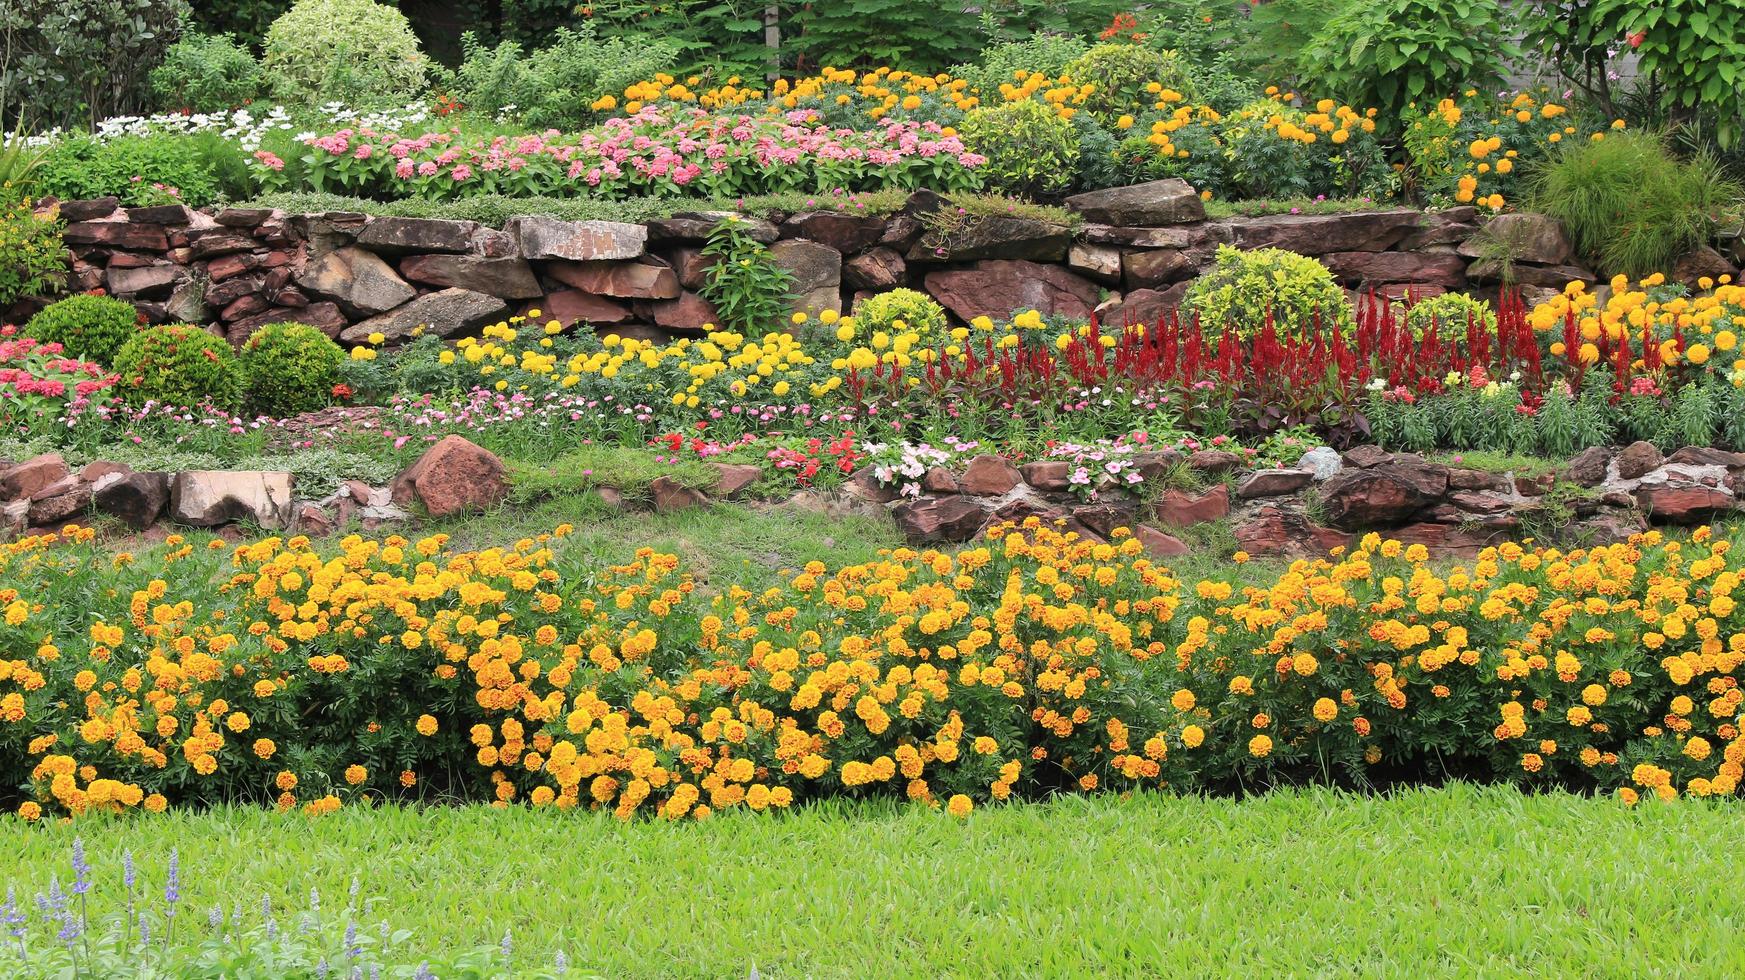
1637	38
342	391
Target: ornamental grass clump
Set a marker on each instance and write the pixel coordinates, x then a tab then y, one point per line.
1033	662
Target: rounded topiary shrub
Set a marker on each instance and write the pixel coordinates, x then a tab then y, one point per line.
288	368
177	364
1031	148
916	311
358	52
1450	312
1246	286
1125	76
88	326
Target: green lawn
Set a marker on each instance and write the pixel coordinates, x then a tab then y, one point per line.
1449	882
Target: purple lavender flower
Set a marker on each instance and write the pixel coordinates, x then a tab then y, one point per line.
423	972
507	945
81	868
128	875
173	885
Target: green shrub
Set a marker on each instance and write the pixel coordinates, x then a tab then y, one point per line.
206	73
748	289
358	52
195	169
1000	63
1030	148
33	262
289	368
1262	164
1123	74
1390	53
1246	286
70	64
555	86
88	326
1450	312
1629	205
916	310
177	364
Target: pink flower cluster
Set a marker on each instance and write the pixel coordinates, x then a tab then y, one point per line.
658	152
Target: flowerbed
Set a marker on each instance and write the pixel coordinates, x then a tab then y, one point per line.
1030	664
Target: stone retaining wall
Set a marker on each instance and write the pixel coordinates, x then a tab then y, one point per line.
1132	257
1601	496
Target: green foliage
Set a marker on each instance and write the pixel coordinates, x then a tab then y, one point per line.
195	169
18	163
1390	53
1450	312
556	85
1273	41
358	52
866	33
246	20
1690	55
1245	286
1030	148
177	364
289	368
916	310
745	285
1122	74
33	262
999	63
206	73
88	326
1629	205
71	63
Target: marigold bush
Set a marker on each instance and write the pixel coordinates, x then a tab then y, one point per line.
1032	662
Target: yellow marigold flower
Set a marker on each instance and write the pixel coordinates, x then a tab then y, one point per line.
959	806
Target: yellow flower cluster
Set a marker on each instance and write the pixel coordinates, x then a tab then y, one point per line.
1698	331
1032	661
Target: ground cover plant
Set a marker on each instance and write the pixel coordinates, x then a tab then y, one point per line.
1180	874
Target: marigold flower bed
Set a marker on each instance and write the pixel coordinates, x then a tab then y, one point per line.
1031	663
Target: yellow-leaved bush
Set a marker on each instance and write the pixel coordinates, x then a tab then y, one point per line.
1033	661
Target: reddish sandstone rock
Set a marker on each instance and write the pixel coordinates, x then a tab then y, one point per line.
997	236
731	478
575	306
1104	518
26	479
452	477
1478	480
1273	483
1157	202
137	499
1365	456
1638	459
541	238
988	476
669	496
392	235
877	270
1683	504
1214	461
996	287
1049	474
1535	239
509	277
689	312
357	279
1705	456
1274	531
938	479
1588	467
1374	497
1449	539
846	233
443	313
863	485
930	520
1184	509
1158	544
643	278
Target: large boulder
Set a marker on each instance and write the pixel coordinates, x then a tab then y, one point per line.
931	520
817	272
846	233
995	288
443	313
1443	269
357	279
1683	503
27	479
452	477
208	498
135	499
506	278
1145	306
1157	202
1320	234
995	236
1183	509
1287	533
689	312
877	270
574	306
1156	267
397	236
643	278
1382	495
540	237
1532	238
